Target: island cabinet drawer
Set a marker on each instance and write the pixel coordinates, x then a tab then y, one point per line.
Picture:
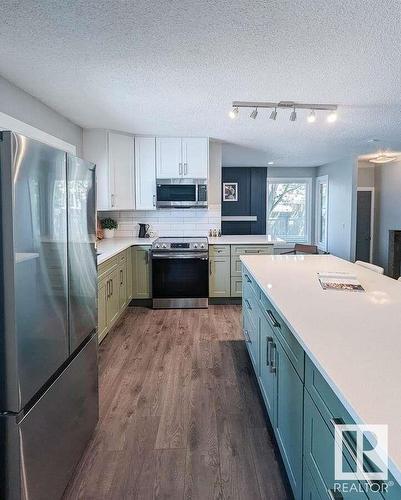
249	300
330	407
290	344
248	283
251	250
319	458
219	250
107	266
251	335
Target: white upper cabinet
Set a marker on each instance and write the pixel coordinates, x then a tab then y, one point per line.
195	157
182	157
145	173
168	157
113	155
121	167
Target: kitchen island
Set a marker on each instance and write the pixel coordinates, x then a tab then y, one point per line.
344	348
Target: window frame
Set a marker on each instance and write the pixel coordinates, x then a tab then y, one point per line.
321	179
308	203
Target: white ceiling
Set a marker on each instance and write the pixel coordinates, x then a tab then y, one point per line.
173	67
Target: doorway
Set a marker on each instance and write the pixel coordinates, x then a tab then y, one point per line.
365	224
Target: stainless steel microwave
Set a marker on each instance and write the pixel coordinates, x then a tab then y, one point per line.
181	193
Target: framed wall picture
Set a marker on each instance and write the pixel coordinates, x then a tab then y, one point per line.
230	191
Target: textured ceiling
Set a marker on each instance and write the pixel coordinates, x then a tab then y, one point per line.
173	68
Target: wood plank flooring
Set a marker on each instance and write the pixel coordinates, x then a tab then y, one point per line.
180	413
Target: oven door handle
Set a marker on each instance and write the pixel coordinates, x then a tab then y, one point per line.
180	255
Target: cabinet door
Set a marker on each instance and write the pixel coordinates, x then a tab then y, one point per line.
219	277
288	419
121	166
122	275
310	491
129	275
102	309
168	157
145	173
267	376
113	303
141	273
195	157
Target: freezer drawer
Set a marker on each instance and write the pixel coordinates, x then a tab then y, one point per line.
52	436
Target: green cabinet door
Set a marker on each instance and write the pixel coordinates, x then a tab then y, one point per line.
122	290
102	310
288	418
141	272
310	491
267	376
219	276
113	302
129	274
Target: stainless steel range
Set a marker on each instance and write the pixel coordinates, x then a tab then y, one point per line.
180	277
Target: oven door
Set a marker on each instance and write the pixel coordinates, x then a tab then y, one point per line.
180	280
176	195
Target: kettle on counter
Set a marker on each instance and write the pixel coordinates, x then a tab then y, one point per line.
143	230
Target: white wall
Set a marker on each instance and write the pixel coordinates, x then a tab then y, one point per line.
22	106
387	208
234	155
366	174
342	202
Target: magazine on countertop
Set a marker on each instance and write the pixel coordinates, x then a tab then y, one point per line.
340	281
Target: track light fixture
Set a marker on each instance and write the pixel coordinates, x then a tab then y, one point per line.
233	113
254	113
294	106
312	116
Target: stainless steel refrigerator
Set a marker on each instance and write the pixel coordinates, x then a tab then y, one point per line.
48	316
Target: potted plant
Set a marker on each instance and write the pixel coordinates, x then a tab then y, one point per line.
109	225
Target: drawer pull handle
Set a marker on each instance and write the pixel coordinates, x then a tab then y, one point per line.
248	305
273	367
268	350
248	279
351	446
334	494
273	320
247	337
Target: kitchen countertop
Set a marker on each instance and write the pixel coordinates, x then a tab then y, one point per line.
246	239
110	247
353	338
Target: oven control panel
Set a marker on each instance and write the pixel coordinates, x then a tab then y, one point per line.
180	244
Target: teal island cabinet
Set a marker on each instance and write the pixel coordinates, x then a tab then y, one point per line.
301	406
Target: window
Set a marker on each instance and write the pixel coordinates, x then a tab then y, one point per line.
322	200
289	209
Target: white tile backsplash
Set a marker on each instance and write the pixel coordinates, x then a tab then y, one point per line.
168	222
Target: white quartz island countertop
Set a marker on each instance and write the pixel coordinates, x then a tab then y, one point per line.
108	248
353	338
246	239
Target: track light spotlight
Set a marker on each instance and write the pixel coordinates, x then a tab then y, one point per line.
273	114
312	116
332	117
254	113
233	113
293	115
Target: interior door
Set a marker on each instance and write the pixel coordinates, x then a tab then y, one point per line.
168	158
363	225
40	273
81	249
195	159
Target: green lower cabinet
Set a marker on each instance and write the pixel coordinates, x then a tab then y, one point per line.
288	416
102	310
251	334
129	274
113	302
141	272
219	276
